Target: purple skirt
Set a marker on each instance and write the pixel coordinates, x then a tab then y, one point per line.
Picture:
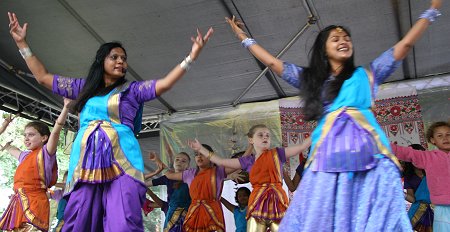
111	206
369	200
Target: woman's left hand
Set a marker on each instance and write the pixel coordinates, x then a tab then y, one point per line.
436	4
199	42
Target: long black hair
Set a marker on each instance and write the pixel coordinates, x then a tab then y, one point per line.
318	72
95	84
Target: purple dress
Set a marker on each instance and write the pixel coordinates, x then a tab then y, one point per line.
105	183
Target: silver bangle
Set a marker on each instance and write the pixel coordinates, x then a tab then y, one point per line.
25	52
186	63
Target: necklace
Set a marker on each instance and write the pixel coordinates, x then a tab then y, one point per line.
336	69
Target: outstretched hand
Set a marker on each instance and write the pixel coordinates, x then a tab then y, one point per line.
235	25
199	42
19	33
436	4
237	176
5	146
67	102
194	145
160	165
154	157
10	117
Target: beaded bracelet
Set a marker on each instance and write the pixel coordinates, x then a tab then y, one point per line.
430	14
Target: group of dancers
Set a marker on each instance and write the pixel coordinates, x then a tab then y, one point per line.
351	179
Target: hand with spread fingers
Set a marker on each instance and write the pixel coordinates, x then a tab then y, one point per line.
199	42
160	165
236	26
7	121
19	33
6	146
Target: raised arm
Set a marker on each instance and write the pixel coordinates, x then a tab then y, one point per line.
159	202
174	175
160	165
402	48
227	204
249	150
276	65
166	83
6	122
36	67
420	159
60	121
230	164
297	149
14	151
288	181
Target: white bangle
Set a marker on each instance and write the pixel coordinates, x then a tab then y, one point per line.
25	52
186	63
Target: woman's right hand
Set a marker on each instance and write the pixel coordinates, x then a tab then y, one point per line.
18	33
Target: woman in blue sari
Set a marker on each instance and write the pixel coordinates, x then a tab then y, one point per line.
105	184
351	180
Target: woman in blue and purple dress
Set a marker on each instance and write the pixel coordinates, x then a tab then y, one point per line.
351	180
105	185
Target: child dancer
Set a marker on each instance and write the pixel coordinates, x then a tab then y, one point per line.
205	187
268	201
178	198
293	183
239	211
29	208
436	164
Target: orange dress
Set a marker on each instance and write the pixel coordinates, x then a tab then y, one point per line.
268	200
29	204
205	212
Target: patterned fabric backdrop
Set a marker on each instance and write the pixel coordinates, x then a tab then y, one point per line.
398	113
401	119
